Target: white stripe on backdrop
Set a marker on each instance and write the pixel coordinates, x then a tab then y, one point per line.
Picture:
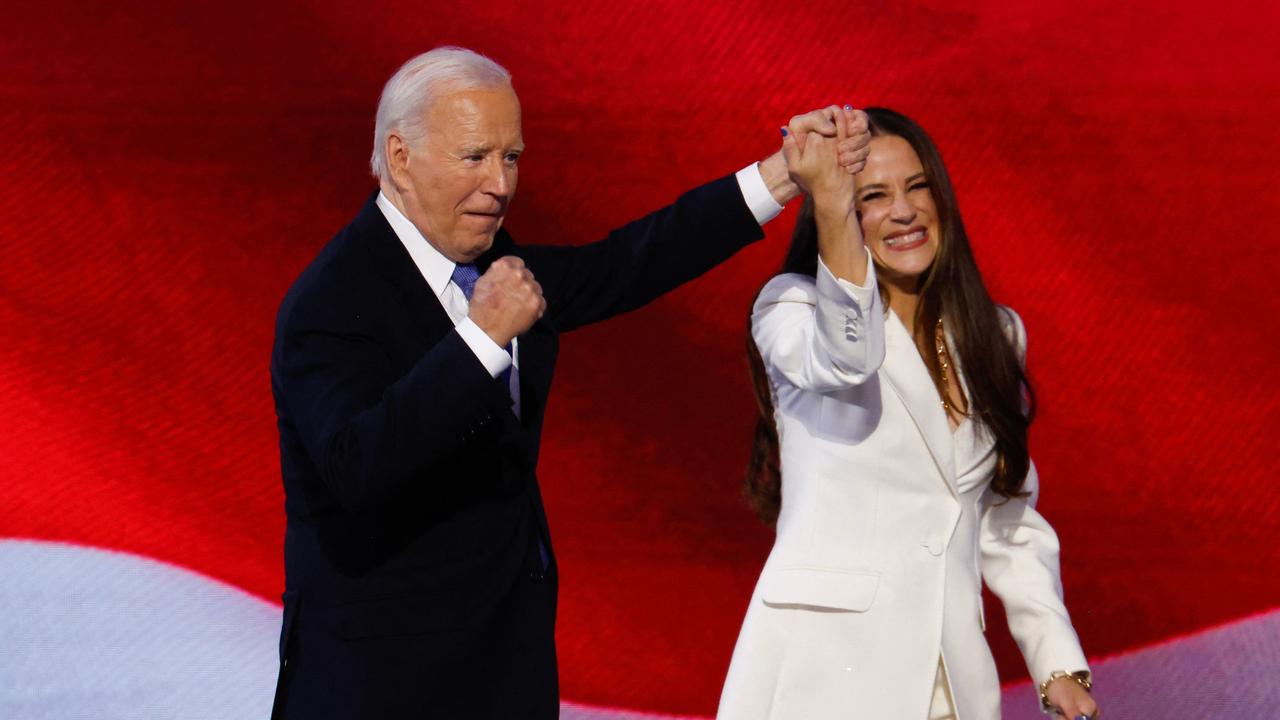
90	633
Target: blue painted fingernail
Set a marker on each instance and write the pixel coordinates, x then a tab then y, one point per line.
848	106
784	131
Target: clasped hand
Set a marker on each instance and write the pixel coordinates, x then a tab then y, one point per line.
825	148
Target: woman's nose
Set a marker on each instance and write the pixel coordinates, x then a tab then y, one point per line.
902	210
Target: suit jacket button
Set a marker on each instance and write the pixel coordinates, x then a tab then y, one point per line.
537	576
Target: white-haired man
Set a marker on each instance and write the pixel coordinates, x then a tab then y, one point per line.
410	371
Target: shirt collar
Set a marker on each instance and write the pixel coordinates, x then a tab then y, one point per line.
436	269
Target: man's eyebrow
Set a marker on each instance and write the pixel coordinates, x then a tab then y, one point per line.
486	149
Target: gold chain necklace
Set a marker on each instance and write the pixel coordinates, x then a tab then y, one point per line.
944	362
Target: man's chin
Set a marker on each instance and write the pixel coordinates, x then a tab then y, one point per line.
479	246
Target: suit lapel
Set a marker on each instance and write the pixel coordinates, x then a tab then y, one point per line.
394	262
536	347
415	295
910	380
423	306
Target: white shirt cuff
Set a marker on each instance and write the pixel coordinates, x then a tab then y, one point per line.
757	194
862	292
490	354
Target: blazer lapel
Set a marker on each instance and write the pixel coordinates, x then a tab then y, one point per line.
394	262
423	306
421	303
910	380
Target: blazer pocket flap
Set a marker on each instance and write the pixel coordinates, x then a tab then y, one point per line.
833	588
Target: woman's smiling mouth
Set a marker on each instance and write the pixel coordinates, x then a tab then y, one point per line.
907	239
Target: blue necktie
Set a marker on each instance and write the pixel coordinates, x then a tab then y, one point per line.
465	277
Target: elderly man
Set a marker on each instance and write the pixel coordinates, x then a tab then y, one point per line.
410	371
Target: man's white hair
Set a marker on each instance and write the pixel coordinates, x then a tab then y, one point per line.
413	88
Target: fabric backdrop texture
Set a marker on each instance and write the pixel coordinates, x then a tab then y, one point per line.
166	170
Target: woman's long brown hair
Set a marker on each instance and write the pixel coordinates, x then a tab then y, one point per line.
1000	398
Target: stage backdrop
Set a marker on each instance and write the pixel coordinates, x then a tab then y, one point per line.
166	170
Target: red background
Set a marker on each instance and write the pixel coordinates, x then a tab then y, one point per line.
167	171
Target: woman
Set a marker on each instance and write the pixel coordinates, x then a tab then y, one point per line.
895	406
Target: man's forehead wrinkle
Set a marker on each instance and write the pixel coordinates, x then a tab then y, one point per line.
462	122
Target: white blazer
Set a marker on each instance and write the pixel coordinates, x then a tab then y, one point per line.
887	529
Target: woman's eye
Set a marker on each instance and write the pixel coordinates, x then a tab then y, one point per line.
919	186
872	196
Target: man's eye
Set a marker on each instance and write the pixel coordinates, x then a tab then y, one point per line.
475	158
513	157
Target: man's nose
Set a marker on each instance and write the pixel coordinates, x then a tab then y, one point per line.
497	180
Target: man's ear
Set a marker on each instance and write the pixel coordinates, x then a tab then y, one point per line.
397	151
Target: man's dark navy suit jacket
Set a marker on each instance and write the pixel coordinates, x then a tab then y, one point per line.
414	587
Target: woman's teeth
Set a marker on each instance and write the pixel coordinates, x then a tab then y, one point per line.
912	237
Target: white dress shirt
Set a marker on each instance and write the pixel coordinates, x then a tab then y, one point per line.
437	270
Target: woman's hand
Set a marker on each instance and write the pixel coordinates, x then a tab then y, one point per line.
824	166
851	154
1071	700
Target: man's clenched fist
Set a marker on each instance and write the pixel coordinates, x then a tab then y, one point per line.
507	300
